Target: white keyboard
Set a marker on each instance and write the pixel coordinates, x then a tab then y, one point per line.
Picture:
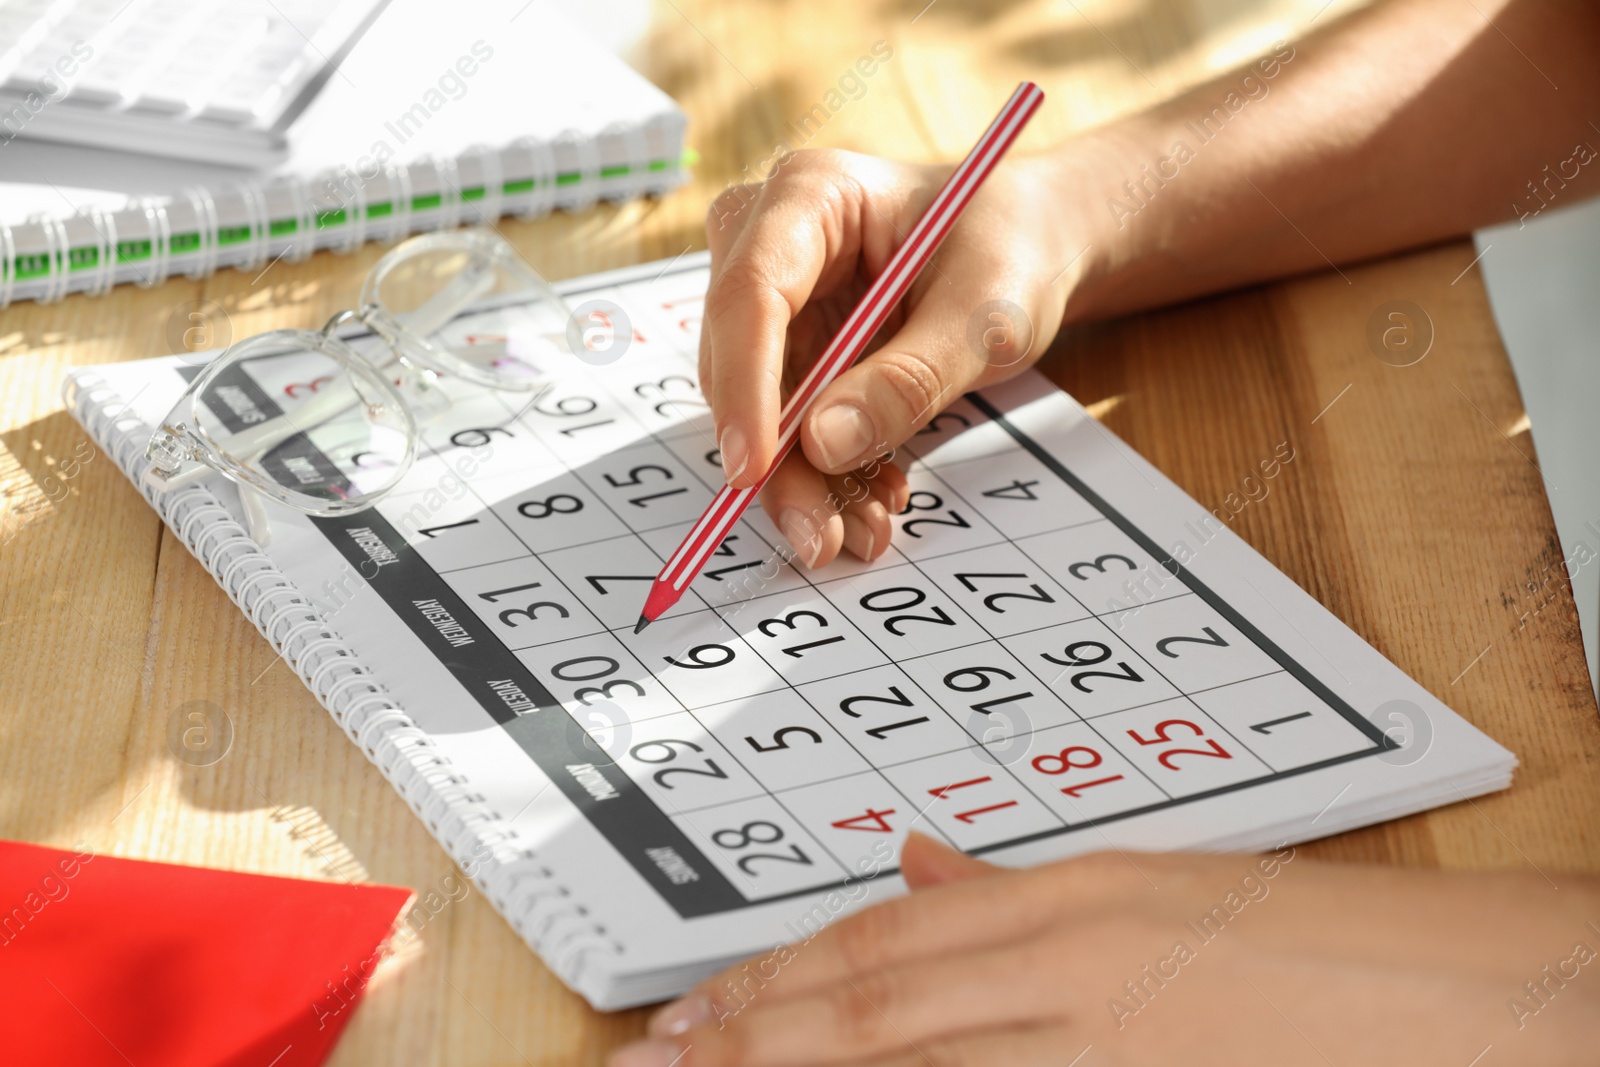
214	80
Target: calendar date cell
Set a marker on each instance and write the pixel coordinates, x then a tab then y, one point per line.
1192	644
761	848
781	740
680	765
973	800
885	715
597	672
1283	722
903	612
1180	747
1102	567
803	637
862	819
1081	776
522	602
1021	498
1003	590
1089	667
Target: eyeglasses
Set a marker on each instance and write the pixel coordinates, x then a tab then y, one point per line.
304	418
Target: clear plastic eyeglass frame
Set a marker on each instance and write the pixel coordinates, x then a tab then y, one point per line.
385	392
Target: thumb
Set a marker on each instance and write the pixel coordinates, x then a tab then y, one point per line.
925	863
881	401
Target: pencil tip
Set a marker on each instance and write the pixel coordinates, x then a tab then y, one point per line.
639	627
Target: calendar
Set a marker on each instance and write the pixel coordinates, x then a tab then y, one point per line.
1060	653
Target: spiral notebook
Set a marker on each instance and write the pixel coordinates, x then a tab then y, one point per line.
505	107
1061	653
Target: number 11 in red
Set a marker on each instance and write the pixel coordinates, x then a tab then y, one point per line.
943	793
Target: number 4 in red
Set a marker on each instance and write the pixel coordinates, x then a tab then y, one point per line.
879	820
943	793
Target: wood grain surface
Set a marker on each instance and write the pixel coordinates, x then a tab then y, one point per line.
1414	508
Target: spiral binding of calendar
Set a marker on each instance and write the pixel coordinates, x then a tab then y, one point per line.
287	217
522	888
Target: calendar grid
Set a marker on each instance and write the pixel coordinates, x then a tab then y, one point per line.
905	679
899	636
1182	573
992	637
777	794
878	764
971	741
917	564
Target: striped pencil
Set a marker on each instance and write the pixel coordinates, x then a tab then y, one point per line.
881	297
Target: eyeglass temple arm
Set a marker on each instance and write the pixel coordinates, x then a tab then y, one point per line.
448	302
249	445
256	523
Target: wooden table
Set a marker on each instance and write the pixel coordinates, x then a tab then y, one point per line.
1413	509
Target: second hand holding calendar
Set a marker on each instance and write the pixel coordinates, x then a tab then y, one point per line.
880	299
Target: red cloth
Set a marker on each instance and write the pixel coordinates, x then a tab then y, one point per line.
113	961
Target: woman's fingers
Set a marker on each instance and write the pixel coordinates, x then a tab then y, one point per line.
1049	1045
821	514
908	931
789	258
883	1013
758	285
725	221
942	350
1053	1045
888	483
925	863
796	499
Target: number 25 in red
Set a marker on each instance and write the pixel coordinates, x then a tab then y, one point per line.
1161	737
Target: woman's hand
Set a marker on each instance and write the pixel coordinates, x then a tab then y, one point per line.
1164	959
790	259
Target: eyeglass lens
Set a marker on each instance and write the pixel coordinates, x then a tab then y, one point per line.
309	428
425	290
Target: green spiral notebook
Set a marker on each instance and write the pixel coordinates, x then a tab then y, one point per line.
506	108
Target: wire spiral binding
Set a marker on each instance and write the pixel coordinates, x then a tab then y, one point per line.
398	178
524	890
8	264
636	155
586	190
447	184
160	230
105	260
491	178
55	256
542	172
258	222
249	207
355	207
205	224
304	241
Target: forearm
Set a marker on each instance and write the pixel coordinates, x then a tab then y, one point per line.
1399	126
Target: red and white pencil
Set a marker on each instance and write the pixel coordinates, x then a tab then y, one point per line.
880	299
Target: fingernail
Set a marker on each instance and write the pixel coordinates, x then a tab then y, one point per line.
735	452
804	537
843	432
646	1054
680	1015
858	537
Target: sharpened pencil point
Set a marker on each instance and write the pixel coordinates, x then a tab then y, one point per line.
642	623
